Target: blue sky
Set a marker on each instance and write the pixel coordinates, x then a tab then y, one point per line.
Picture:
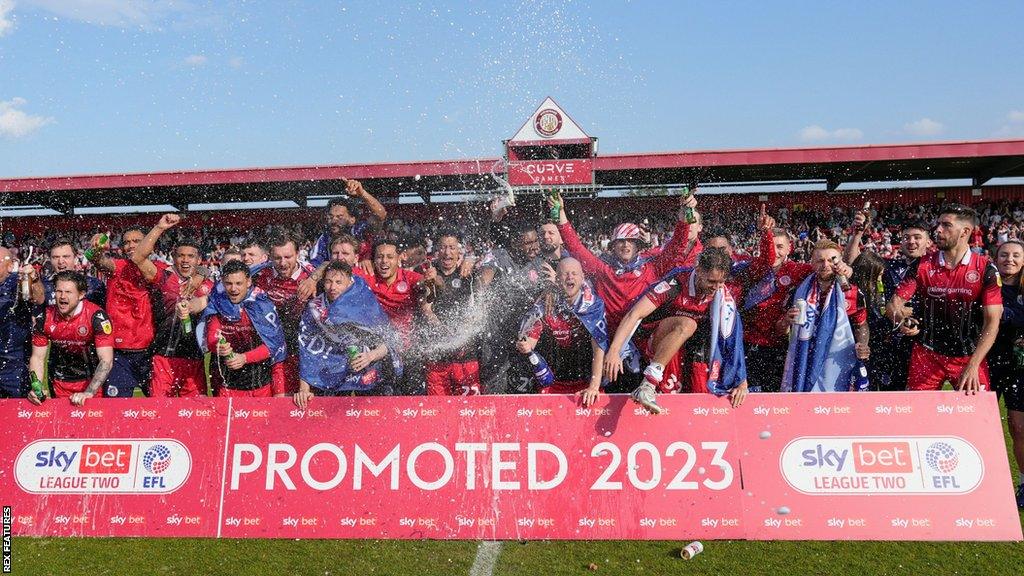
96	86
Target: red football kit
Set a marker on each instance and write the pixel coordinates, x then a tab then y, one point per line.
950	299
619	287
130	306
283	292
259	376
73	342
399	300
177	360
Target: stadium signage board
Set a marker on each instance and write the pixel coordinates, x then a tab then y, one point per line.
551	172
929	466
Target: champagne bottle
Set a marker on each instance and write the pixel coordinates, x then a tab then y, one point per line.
103	241
688	213
37	386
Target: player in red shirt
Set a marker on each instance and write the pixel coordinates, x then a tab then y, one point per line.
241	326
281	284
78	335
767	290
623	276
131	311
177	359
828	266
574	356
680	302
398	290
959	296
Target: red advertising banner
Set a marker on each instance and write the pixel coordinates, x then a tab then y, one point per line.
905	466
551	172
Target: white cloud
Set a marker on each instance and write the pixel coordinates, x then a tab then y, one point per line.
236	62
122	13
1014	127
815	133
924	127
195	60
6	22
15	123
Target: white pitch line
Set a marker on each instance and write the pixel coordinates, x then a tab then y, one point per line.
486	558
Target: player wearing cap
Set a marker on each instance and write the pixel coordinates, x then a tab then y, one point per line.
77	334
622	276
131	312
571	320
960	308
177	359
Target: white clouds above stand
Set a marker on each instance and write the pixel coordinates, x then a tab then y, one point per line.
815	133
6	23
924	127
15	122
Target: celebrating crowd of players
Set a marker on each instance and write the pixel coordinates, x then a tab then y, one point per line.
536	312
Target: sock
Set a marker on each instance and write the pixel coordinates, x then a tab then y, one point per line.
654	372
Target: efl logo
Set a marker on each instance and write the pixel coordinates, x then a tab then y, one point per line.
103	466
877	465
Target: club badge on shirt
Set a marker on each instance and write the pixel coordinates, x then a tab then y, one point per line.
402	286
785	280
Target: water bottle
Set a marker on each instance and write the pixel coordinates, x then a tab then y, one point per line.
688	213
37	386
861	374
540	370
101	243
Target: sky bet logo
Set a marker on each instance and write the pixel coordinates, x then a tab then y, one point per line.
882	465
103	466
96	458
863	457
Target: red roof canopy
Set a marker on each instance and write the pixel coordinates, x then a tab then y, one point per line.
979	161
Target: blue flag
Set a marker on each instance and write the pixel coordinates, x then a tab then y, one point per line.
727	367
328	329
822	355
261	313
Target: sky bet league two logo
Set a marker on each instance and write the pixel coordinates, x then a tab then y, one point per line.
103	466
882	465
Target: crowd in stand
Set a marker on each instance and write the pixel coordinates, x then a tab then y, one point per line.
519	300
